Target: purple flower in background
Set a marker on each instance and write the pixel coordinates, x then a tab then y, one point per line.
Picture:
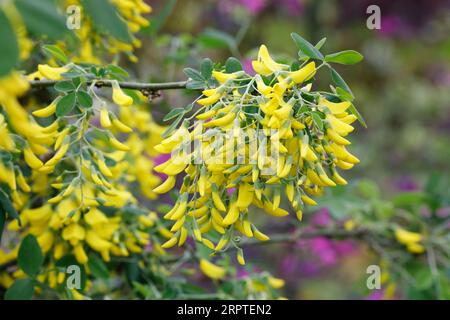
322	218
324	250
289	264
443	212
253	6
406	184
161	159
392	26
376	295
247	66
344	247
242	273
425	212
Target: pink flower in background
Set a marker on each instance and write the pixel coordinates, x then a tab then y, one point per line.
253	6
242	273
322	218
406	184
161	159
392	26
324	250
289	264
443	212
247	66
376	295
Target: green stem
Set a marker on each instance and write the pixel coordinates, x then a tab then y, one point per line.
151	87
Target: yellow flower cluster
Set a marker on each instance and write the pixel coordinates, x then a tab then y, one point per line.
81	233
412	240
132	12
89	173
254	135
18	132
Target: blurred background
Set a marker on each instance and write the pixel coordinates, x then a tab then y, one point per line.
402	88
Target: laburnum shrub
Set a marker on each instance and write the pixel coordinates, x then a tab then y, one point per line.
76	161
78	148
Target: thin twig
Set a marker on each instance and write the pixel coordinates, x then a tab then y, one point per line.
126	85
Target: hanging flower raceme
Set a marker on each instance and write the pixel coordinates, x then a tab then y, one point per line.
92	40
254	139
81	170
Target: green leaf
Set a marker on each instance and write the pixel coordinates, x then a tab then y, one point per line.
194	74
42	18
172	126
97	267
195	85
339	81
8	43
206	68
64	86
30	258
2	222
173	114
409	199
84	99
317	120
344	95
8	207
232	65
344	57
21	289
213	38
118	70
105	17
320	44
55	52
65	105
306	48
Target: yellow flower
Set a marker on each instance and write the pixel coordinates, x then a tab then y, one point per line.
335	108
80	254
118	145
47	111
304	73
211	270
240	258
119	97
96	242
410	239
276	283
265	65
223	77
166	186
209	100
31	159
105	122
73	233
6	142
50	72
